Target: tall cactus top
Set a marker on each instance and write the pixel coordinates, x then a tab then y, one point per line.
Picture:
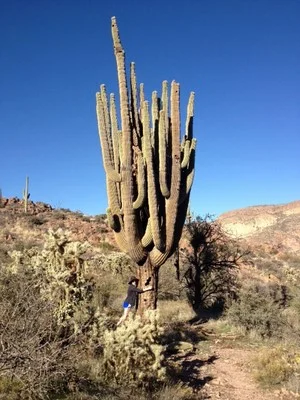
149	169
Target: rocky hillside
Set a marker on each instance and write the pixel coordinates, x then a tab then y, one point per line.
271	231
19	230
276	228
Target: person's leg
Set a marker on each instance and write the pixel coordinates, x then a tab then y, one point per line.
125	315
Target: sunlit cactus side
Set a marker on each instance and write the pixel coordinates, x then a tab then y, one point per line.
149	169
26	194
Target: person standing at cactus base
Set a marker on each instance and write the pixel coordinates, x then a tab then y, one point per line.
132	294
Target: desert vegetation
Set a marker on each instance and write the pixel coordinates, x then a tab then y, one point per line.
61	298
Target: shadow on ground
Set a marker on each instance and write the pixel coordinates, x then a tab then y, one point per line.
190	370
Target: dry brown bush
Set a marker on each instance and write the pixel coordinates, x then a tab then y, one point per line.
32	353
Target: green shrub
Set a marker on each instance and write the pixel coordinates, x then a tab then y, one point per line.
277	366
132	354
10	388
273	366
257	309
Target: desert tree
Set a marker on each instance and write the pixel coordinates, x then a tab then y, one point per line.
209	261
149	169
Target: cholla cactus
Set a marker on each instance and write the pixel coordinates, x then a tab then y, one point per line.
115	263
62	269
149	171
132	354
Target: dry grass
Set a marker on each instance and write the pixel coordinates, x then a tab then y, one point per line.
175	392
171	311
276	366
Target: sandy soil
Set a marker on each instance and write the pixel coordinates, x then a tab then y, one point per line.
230	378
224	373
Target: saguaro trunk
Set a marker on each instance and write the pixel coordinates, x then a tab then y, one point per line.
148	276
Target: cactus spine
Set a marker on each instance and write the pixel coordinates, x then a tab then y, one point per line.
26	194
149	171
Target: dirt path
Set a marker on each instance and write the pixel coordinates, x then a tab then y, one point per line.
222	372
230	378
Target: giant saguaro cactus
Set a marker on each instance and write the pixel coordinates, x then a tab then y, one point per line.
149	170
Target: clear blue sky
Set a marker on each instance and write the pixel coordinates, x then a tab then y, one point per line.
241	57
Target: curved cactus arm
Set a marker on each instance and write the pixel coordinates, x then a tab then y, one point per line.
186	154
189	181
106	117
115	141
120	145
121	241
113	195
190	116
114	222
147	239
191	167
165	106
114	132
151	184
189	174
162	141
142	95
172	201
130	222
134	106
141	182
155	109
183	143
137	253
104	139
111	220
192	152
155	117
142	99
158	258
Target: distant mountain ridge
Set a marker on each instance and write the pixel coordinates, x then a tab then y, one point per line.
275	227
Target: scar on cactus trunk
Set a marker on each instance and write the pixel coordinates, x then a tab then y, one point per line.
148	276
149	170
